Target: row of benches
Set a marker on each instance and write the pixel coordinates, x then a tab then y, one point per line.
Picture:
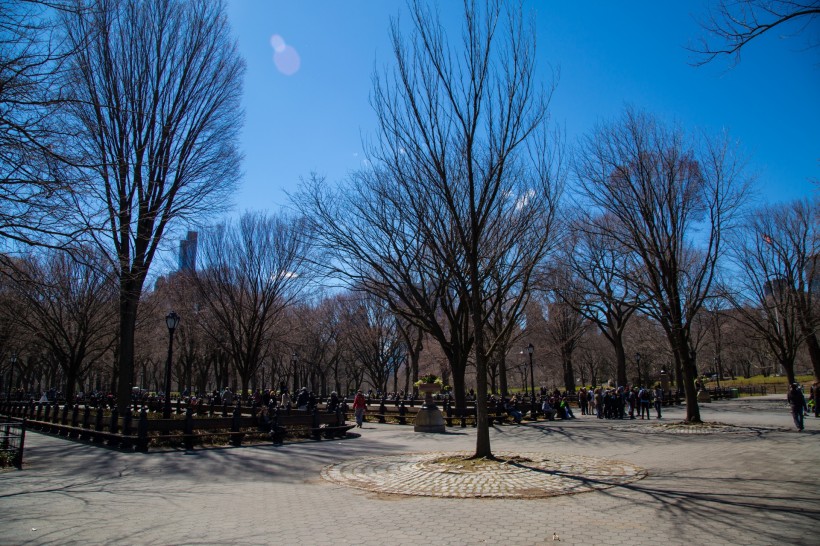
108	428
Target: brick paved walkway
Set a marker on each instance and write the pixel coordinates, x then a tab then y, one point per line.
535	475
755	487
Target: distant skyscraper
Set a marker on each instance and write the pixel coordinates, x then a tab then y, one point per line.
187	253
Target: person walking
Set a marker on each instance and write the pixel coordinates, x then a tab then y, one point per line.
798	404
359	406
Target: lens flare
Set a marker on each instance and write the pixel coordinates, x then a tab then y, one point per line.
287	61
277	43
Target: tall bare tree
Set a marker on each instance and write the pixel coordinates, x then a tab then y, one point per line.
155	88
597	278
732	24
252	270
566	327
70	307
373	338
34	187
462	185
778	260
672	199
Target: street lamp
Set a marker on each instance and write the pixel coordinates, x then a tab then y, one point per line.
171	321
534	409
294	360
11	376
638	365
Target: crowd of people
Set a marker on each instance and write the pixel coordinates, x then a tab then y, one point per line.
636	402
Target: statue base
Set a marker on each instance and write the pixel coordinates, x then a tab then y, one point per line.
429	419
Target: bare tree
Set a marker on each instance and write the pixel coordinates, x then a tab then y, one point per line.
70	307
732	24
155	88
413	338
565	328
596	278
251	272
34	187
778	261
373	339
660	189
463	185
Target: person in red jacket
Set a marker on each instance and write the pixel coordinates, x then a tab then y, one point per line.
359	405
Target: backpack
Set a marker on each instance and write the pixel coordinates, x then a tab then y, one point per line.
644	394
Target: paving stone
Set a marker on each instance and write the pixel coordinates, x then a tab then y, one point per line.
749	480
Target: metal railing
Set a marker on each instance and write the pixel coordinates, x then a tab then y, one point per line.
12	442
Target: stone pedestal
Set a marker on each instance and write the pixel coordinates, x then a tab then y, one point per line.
704	397
429	417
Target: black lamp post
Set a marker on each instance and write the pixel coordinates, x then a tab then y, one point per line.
171	320
534	409
294	360
11	376
638	365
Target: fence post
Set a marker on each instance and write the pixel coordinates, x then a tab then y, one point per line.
142	431
188	431
55	415
114	427
315	425
75	415
277	433
126	428
236	439
85	434
18	458
98	426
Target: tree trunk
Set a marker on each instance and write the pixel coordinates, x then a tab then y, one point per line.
788	367
620	358
459	392
814	354
569	373
689	376
482	444
502	377
129	302
70	382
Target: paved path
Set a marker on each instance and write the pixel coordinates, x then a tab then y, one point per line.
755	481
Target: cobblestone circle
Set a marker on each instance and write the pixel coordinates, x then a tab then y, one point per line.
701	428
532	476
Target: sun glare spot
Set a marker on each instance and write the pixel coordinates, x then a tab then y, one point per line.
285	57
277	43
288	61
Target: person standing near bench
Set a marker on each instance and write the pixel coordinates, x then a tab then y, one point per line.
798	404
359	407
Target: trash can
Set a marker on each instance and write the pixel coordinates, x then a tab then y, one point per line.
735	393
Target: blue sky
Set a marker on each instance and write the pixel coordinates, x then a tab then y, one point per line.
314	115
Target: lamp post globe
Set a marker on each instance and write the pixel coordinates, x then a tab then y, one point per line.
171	321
